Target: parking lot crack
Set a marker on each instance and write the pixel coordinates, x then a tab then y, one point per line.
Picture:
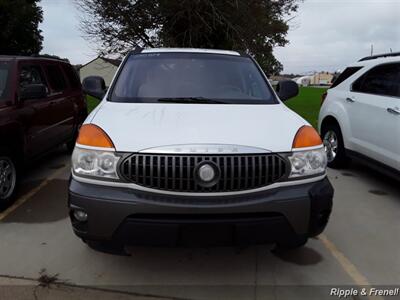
48	281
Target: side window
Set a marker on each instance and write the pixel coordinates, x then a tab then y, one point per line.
255	89
344	75
381	80
72	76
30	75
4	80
55	77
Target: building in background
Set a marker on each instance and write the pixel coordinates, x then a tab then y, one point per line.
309	79
322	78
100	66
303	80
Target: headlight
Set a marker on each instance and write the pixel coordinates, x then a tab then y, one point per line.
308	163
95	163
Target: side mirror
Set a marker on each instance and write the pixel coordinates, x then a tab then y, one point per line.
287	89
94	86
33	91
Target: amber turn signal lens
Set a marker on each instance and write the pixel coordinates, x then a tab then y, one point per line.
94	136
307	136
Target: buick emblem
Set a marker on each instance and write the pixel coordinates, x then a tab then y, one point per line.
206	174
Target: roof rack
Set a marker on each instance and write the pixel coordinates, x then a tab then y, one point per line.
391	54
49	56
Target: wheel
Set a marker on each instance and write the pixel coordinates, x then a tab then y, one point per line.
291	244
8	180
334	146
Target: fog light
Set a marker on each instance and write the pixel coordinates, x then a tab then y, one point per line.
80	215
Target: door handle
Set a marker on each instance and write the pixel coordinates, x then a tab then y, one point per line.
395	110
350	100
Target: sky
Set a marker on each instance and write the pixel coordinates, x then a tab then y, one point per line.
325	35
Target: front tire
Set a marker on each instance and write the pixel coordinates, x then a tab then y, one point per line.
334	146
8	180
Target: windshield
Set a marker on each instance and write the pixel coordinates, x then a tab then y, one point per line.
191	78
4	71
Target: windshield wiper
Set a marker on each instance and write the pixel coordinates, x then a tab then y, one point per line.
190	100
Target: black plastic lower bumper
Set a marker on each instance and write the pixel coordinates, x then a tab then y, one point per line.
208	230
135	218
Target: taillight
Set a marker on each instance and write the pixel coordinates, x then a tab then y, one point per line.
323	97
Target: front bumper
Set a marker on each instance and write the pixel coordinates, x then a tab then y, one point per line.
136	217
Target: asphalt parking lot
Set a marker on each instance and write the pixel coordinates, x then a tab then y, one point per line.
40	258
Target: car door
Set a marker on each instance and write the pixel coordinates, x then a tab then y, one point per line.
35	114
61	103
374	114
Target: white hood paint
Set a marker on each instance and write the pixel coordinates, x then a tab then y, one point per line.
137	126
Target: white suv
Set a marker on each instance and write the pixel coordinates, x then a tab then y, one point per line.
360	116
194	146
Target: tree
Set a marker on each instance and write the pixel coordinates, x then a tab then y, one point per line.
254	26
19	21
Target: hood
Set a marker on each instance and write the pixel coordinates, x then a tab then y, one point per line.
137	126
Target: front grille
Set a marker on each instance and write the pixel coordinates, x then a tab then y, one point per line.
176	172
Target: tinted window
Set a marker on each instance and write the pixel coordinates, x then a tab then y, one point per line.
55	77
345	74
72	76
30	75
228	79
4	78
381	80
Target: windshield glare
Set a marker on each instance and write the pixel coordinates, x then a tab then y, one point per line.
228	79
4	70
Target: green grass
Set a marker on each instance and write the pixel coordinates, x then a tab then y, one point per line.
307	103
91	103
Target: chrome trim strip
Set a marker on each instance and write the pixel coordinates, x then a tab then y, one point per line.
94	148
308	148
205	149
144	189
55	125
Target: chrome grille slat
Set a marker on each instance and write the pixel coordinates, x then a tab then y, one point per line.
166	172
253	171
224	172
159	171
173	173
137	168
180	172
247	176
144	162
176	172
260	158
